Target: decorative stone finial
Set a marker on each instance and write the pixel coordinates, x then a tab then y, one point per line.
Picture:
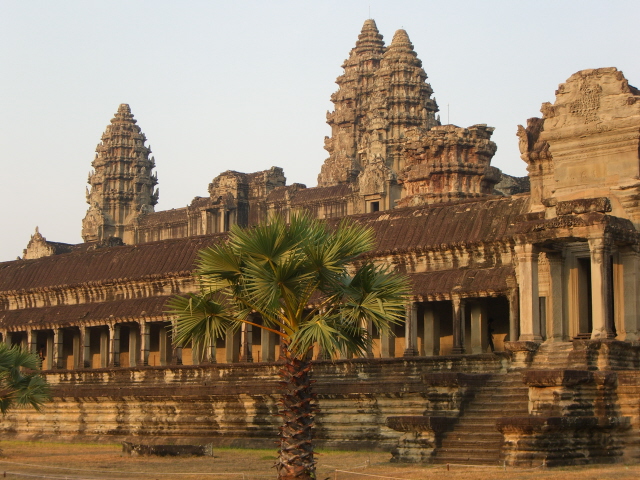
401	49
369	39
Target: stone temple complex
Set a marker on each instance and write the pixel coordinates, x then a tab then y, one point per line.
545	269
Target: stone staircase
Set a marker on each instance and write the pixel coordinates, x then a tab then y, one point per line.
474	440
556	355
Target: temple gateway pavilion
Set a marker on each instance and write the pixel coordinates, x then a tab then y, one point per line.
545	270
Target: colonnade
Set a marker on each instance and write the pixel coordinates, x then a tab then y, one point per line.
586	289
589	290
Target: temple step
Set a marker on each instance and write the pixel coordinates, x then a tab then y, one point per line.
474	440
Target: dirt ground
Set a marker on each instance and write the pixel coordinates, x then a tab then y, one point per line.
44	460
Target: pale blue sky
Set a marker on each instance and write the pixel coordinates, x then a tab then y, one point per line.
245	85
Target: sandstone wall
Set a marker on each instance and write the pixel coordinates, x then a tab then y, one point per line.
235	404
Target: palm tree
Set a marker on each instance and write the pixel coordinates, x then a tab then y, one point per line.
20	383
303	280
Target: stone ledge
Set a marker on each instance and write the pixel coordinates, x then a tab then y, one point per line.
454	379
583	205
538	424
558	377
522	346
421	423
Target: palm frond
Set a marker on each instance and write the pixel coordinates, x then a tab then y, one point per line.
32	391
18	388
332	335
218	267
375	294
202	320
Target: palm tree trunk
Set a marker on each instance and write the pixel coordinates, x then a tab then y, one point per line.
297	408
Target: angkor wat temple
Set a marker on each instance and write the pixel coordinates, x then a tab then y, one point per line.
544	270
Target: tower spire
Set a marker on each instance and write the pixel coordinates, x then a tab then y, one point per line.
351	103
122	183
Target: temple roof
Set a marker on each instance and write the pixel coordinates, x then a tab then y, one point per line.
99	312
104	264
439	285
425	286
418	228
443	225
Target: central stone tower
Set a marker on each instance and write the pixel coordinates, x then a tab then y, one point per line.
122	183
386	141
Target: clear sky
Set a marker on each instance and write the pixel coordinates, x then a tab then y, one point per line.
245	85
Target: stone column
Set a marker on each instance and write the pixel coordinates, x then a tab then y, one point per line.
133	346
246	343
527	272
145	343
601	298
77	351
176	352
57	348
556	325
232	346
458	327
267	346
164	346
32	346
431	331
514	312
221	222
630	289
479	328
411	330
388	344
6	338
104	348
85	346
369	326
114	345
51	347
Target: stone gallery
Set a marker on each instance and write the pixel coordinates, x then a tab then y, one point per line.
520	344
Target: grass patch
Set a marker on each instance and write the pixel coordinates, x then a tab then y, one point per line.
106	461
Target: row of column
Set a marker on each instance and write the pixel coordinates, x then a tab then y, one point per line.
479	327
109	346
584	286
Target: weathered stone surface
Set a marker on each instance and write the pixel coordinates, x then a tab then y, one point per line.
586	144
448	163
420	438
553	441
509	185
420	424
588	205
236	404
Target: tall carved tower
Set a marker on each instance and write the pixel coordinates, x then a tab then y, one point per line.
401	101
381	96
351	102
122	182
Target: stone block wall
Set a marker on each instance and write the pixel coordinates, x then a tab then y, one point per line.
234	404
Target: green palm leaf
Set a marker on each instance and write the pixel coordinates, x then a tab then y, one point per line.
20	383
